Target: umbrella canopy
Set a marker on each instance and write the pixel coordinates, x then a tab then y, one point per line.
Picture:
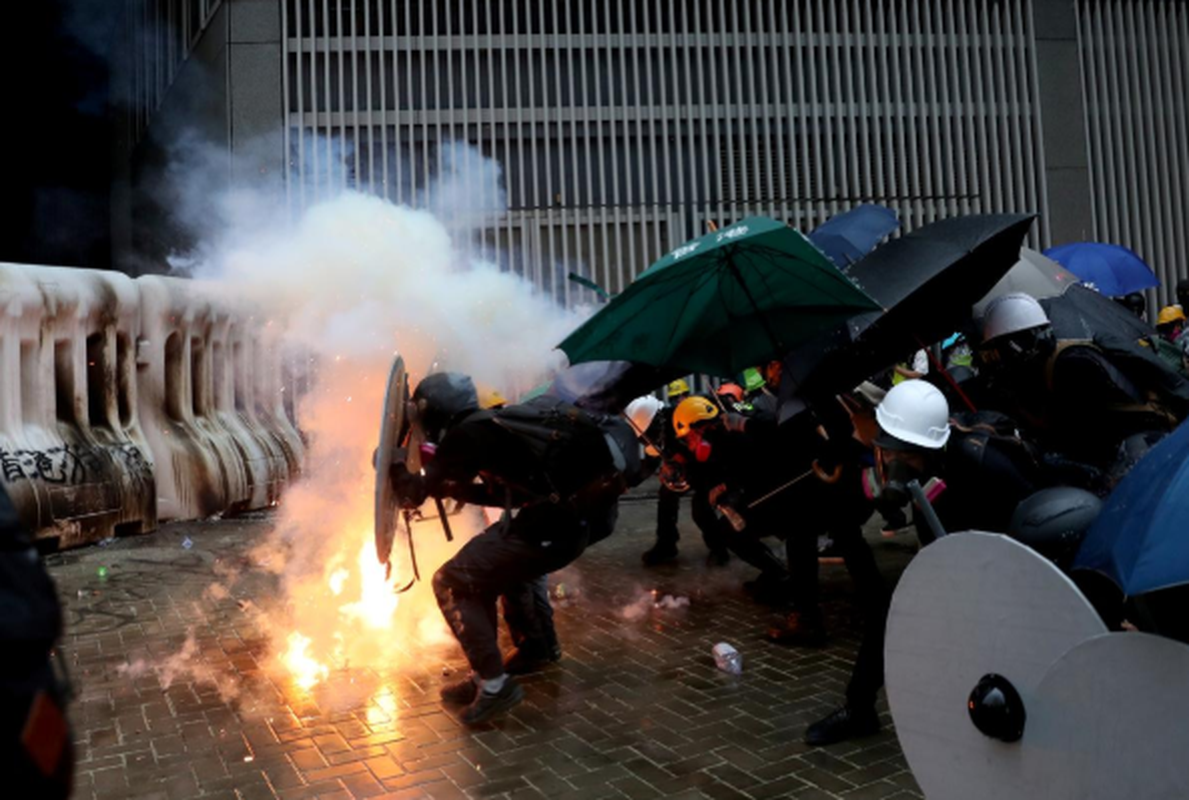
1034	274
729	300
927	280
847	237
1140	539
1082	313
1110	268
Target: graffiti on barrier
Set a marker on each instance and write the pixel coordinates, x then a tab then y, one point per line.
70	464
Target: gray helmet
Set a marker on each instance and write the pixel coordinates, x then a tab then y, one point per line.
441	399
1054	521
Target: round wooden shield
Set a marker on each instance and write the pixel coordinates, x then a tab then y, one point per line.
392	434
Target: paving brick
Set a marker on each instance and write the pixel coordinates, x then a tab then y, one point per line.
635	709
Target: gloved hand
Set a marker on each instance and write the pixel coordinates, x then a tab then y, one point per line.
735	423
409	488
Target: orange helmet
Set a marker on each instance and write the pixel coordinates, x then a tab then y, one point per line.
731	390
690	412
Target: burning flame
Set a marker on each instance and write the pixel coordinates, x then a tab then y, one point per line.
306	671
374	610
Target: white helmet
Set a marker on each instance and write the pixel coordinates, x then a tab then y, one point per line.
915	412
1012	313
642	411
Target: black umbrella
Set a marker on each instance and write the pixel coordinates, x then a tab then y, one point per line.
927	282
1082	313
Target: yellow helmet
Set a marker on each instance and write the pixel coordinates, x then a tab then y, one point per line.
690	412
491	398
678	388
1170	314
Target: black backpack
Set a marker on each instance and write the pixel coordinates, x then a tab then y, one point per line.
990	467
578	453
1165	392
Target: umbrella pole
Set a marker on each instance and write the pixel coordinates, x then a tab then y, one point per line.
949	378
779	345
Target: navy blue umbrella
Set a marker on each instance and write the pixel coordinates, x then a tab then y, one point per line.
1110	268
1141	538
847	237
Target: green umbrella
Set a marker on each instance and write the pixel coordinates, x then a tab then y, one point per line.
729	300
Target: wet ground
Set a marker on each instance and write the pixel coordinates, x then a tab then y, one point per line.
635	709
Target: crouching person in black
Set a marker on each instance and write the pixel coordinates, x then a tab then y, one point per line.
558	473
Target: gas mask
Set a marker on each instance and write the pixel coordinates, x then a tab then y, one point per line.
886	484
697	445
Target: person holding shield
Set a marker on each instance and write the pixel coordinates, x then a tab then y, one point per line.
557	472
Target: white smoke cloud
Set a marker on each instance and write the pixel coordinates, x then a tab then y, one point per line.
351	281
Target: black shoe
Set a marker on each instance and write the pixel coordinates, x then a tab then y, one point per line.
659	554
531	658
461	693
799	630
844	723
487	706
718	557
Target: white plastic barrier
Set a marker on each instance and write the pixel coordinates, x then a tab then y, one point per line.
72	454
265	459
124	401
200	471
210	372
268	388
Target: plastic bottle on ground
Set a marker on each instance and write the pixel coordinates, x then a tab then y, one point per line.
728	659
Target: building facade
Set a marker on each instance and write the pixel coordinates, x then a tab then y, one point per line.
623	127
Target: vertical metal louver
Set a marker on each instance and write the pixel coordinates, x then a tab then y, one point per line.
162	33
624	127
1135	70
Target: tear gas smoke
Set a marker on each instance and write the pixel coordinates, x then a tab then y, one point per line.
351	282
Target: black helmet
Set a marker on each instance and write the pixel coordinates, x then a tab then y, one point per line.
1054	521
441	399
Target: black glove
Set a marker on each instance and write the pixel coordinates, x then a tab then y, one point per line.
409	488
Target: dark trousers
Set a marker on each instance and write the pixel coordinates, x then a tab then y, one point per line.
668	508
871	592
511	559
529	615
873	598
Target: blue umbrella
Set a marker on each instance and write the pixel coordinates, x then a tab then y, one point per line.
847	237
1141	538
1110	268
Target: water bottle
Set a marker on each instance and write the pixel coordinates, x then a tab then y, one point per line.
728	659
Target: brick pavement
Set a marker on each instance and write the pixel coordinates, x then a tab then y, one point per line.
636	709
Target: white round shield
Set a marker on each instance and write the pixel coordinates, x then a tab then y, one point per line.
968	605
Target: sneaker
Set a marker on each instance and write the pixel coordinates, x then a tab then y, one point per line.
531	658
461	693
487	706
718	557
659	554
844	723
799	630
